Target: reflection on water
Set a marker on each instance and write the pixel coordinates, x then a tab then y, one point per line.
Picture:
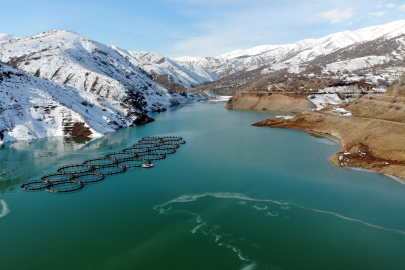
25	160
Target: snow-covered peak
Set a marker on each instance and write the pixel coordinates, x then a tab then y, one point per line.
159	65
148	57
187	58
389	30
5	37
283	56
247	52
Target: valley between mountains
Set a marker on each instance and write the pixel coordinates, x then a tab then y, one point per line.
348	84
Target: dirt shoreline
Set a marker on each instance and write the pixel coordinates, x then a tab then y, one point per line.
372	137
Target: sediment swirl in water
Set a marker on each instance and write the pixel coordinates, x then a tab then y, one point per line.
5	210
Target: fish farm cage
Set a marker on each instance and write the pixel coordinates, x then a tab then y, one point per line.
73	177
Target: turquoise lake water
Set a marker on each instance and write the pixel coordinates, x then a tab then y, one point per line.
233	197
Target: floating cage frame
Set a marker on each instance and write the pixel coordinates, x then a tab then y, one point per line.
64	177
146	144
34	185
151	156
127	156
165	151
176	139
95	177
169	145
135	150
134	165
51	188
96	160
111	172
88	168
94	170
151	139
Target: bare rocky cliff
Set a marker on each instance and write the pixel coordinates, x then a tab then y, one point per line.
286	102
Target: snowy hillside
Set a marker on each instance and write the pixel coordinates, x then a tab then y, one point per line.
76	87
32	108
157	64
293	55
68	58
5	37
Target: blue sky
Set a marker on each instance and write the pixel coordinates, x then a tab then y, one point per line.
196	27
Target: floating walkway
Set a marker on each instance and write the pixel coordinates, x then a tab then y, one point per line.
72	178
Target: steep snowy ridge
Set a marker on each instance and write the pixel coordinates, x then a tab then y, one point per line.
82	86
155	63
68	58
292	55
32	108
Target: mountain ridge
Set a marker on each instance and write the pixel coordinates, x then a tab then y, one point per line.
295	53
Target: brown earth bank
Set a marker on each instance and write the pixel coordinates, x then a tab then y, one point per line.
291	102
373	138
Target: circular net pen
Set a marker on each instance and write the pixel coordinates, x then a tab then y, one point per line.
110	169
65	186
135	150
98	162
151	156
133	163
75	169
162	150
146	144
169	145
35	185
174	141
57	177
171	138
90	177
151	139
120	156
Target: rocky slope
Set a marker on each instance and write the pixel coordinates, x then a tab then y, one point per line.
370	129
270	101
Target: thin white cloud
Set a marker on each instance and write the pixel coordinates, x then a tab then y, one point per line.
391	5
377	13
402	7
337	16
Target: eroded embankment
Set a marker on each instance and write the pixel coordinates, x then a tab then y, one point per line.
270	101
373	137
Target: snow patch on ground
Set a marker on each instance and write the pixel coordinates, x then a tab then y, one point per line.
286	116
342	111
218	97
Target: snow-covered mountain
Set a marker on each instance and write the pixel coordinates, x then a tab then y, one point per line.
5	37
80	82
68	58
32	108
293	55
159	65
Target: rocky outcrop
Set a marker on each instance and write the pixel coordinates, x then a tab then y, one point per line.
372	137
286	102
